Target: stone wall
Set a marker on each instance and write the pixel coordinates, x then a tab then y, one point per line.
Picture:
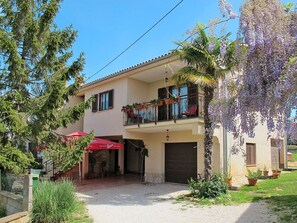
95	163
21	217
154	178
16	203
12	203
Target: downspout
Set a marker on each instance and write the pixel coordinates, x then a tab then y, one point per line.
285	150
225	149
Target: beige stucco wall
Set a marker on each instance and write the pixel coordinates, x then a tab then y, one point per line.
155	143
153	87
78	125
237	162
108	122
137	91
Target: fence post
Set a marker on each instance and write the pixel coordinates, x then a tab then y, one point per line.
0	181
28	193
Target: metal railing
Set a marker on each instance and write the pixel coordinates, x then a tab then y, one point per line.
189	106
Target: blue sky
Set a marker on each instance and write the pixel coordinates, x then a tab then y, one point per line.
107	27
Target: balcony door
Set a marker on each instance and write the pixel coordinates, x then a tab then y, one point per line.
182	106
188	98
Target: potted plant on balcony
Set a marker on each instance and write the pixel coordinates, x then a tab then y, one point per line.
253	177
138	106
175	98
168	101
126	108
156	102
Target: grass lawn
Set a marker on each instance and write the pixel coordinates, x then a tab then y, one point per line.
280	194
294	157
80	215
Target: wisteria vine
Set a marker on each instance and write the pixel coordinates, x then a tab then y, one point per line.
265	88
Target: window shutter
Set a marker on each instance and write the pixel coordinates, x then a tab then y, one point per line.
192	94
95	104
250	154
110	99
162	111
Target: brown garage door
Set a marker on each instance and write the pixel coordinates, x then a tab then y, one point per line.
180	162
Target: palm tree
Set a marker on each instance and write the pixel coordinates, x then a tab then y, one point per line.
206	64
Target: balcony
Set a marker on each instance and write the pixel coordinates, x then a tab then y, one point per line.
155	111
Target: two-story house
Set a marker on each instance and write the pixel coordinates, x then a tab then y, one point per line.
172	131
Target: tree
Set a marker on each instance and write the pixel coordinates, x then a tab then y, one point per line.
208	59
267	89
34	73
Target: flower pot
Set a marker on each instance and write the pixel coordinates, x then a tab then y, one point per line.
139	107
168	101
265	173
277	171
275	175
35	171
252	181
157	104
229	182
126	109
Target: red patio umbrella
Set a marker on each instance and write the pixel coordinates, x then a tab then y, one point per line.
102	144
97	143
77	133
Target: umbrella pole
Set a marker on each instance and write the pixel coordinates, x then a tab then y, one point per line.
79	171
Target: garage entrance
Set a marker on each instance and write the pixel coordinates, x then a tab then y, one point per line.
134	161
180	162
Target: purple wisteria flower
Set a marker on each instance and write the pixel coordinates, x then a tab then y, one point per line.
267	82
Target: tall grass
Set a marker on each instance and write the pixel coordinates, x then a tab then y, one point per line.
53	202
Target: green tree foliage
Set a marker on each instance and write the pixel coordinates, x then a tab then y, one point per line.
34	79
208	59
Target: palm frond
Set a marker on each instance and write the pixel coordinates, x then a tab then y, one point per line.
204	62
191	75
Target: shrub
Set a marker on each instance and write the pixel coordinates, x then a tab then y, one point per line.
53	202
2	212
208	189
37	165
254	174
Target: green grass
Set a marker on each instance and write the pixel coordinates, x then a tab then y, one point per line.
80	214
294	157
280	194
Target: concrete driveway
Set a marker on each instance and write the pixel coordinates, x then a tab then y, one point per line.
119	201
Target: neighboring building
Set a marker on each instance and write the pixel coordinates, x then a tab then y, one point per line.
173	134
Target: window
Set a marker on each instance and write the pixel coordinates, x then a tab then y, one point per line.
188	97
95	103
183	105
250	154
106	100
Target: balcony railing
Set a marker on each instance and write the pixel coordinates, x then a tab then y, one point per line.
189	106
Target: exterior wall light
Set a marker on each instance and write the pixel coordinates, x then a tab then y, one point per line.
167	136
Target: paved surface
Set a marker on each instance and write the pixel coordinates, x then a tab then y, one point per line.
125	201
